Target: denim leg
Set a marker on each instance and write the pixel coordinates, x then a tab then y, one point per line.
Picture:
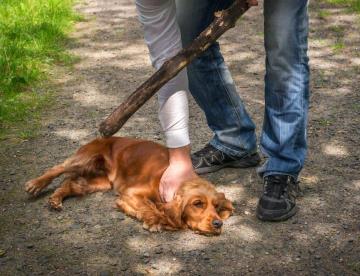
211	84
283	138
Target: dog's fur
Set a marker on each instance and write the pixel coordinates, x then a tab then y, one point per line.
133	168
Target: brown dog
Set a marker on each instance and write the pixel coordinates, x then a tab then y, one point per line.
133	168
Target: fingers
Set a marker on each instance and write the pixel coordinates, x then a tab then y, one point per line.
166	194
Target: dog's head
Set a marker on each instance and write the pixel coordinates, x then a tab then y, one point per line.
198	206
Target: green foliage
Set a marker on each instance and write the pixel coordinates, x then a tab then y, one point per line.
16	107
353	5
33	34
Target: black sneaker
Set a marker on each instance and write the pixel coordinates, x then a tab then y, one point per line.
210	159
278	200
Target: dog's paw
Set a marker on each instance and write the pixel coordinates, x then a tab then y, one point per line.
55	204
152	228
33	187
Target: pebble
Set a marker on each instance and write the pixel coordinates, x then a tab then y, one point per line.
113	263
75	226
158	250
2	253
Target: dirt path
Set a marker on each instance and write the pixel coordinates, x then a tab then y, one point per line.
90	238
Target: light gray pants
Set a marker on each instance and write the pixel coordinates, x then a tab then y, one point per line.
162	36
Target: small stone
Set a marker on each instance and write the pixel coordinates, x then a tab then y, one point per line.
113	263
158	250
297	259
247	213
75	226
2	253
146	255
318	257
121	216
267	253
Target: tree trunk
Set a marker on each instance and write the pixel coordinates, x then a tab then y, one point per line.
224	20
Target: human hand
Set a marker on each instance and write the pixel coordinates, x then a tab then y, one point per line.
252	2
180	169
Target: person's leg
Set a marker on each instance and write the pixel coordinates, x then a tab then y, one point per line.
283	138
211	84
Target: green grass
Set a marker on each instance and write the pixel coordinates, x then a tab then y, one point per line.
323	14
33	35
338	46
352	5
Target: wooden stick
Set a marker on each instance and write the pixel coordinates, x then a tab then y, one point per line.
224	20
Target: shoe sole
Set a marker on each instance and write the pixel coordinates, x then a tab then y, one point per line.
244	163
284	217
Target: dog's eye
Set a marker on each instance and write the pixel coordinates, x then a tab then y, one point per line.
198	203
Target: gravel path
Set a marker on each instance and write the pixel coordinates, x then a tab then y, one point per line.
90	238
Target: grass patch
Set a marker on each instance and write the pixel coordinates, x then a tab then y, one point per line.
352	5
20	112
338	46
33	36
323	14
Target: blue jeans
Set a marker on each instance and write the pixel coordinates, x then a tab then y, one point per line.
283	139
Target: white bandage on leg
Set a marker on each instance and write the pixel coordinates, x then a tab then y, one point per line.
162	36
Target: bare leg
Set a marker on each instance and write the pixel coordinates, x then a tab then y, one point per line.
77	187
35	186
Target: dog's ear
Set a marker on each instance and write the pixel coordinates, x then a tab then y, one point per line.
173	211
225	208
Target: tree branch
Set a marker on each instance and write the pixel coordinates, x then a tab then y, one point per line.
224	20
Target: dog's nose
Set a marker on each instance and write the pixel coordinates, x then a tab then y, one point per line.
217	223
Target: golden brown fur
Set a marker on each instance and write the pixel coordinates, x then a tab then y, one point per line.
133	168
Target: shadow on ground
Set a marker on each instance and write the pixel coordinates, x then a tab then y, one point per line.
90	238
